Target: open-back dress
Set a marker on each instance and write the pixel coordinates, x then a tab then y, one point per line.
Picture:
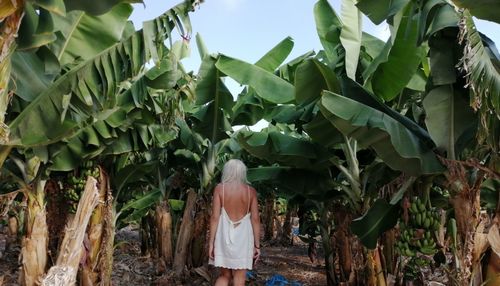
233	245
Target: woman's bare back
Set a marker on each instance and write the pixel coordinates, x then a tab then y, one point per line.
236	199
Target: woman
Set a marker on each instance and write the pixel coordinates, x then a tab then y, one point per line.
234	225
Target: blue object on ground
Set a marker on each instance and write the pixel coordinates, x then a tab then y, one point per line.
276	280
250	275
279	280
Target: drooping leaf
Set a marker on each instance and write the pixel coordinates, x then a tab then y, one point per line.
28	75
274	146
94	7
77	31
447	116
311	78
378	11
391	77
275	57
350	35
328	26
379	218
396	145
483	9
267	85
481	63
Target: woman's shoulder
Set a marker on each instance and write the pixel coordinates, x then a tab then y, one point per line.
251	189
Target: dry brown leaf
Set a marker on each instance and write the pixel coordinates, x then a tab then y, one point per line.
480	242
494	238
203	272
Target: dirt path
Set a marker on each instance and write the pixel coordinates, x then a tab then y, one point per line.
130	268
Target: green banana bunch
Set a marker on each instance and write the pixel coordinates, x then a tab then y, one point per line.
416	236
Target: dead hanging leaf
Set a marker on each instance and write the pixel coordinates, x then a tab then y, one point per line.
480	241
494	238
203	272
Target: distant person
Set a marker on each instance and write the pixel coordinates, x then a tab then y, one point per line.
234	225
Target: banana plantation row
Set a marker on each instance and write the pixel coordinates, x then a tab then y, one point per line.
389	149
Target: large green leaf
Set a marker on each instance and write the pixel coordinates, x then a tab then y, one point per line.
392	76
267	85
447	116
307	183
273	146
250	108
381	217
444	53
311	78
79	31
396	145
378	11
353	90
93	7
350	35
275	57
328	26
28	75
483	9
321	131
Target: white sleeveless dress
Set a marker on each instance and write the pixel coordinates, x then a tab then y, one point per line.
233	245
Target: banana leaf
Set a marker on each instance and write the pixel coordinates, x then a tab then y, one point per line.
381	217
393	142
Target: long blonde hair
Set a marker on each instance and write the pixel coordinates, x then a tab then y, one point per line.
234	171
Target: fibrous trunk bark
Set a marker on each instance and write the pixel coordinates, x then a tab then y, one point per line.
164	233
65	270
8	33
35	243
149	235
286	236
268	218
343	243
185	234
199	243
100	238
325	230
57	214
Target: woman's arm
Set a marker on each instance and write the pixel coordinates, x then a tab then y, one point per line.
255	218
214	219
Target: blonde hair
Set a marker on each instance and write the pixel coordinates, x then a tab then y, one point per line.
234	171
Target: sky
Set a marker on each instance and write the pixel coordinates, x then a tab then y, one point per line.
247	29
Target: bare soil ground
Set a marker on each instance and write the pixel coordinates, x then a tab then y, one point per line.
130	268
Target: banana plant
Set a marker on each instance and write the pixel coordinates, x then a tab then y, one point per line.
33	23
105	101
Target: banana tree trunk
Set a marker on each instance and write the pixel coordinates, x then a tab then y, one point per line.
467	206
493	270
268	218
199	244
185	234
57	215
375	273
389	257
286	235
35	243
8	34
150	239
164	233
100	238
343	243
65	270
326	238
